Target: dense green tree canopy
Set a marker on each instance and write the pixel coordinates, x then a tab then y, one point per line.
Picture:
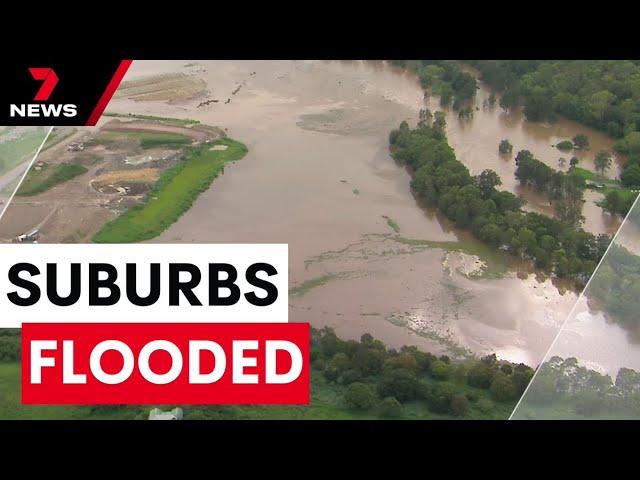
496	216
604	94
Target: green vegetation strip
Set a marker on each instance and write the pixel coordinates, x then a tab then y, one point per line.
497	260
174	193
166	120
304	287
40	181
146	139
392	223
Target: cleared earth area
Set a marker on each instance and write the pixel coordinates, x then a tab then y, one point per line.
88	177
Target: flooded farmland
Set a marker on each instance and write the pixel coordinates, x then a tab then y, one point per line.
364	254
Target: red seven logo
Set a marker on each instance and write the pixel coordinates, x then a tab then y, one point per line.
49	81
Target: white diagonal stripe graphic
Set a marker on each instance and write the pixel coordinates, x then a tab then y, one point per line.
25	172
574	307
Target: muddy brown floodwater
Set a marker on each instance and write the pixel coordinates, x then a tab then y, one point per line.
364	255
476	144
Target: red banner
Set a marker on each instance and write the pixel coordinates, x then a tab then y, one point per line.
165	363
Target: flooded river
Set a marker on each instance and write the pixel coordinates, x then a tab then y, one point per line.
364	254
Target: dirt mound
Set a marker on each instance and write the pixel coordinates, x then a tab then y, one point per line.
126	182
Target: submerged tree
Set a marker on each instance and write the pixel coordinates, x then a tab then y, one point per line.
390	408
603	161
440	120
359	397
581	142
466	112
505	147
574	161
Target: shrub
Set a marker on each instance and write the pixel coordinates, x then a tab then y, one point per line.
441	370
439	397
400	384
359	397
391	408
459	405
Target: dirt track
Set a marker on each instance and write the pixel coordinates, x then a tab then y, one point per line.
154	127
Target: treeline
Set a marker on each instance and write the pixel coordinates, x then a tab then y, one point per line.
566	389
566	191
384	380
365	379
444	78
615	288
494	216
604	94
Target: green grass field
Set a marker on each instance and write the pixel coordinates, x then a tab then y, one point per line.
594	180
39	181
174	193
11	406
589	176
15	150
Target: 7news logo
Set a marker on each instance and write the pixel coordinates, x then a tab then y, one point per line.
49	81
